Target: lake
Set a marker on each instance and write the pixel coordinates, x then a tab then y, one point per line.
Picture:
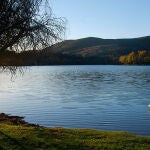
99	97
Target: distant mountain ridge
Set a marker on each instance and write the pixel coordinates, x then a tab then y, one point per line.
92	46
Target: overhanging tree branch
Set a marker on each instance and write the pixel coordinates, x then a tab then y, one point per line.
25	26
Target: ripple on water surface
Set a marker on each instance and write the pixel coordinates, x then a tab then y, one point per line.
100	97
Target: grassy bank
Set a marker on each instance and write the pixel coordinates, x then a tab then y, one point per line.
24	136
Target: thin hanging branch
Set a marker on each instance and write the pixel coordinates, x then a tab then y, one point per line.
28	24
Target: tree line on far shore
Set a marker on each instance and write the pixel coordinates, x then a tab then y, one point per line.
43	57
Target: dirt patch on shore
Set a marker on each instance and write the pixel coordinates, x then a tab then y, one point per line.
14	120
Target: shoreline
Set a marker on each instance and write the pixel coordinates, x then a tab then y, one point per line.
17	134
14	120
9	119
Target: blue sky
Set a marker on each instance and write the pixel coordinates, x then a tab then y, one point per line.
104	18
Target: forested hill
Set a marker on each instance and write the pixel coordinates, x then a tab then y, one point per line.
96	46
89	50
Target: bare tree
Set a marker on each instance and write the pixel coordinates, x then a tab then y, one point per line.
28	25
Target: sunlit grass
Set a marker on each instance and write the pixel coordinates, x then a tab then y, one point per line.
23	137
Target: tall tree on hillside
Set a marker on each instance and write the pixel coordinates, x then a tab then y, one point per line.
28	25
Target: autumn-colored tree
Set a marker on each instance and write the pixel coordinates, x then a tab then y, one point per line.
123	59
141	57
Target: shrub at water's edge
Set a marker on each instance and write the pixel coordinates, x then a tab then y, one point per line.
23	136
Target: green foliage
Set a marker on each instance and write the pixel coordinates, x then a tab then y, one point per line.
141	57
25	138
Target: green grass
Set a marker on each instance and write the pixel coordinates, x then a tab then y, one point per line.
23	137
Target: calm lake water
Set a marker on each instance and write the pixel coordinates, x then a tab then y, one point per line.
99	97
